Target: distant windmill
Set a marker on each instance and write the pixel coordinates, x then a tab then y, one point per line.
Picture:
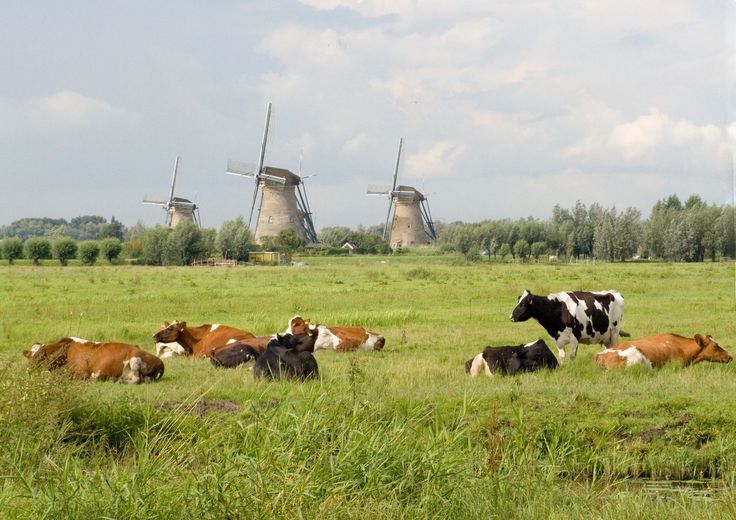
412	222
284	203
178	209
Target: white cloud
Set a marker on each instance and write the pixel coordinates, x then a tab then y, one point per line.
653	139
72	108
437	160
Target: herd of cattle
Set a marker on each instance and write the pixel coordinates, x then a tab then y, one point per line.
568	317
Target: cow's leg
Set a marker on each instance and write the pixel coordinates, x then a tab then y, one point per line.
573	348
560	349
131	371
613	338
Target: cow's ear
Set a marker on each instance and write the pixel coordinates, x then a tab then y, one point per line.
182	325
701	340
28	354
166	323
279	337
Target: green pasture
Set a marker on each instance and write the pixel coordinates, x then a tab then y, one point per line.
401	433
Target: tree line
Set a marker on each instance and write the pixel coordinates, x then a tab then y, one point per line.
683	232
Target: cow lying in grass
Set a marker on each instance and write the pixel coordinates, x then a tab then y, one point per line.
119	362
342	339
177	338
284	359
659	350
247	350
511	360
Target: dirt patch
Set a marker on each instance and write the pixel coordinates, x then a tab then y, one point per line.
199	408
648	436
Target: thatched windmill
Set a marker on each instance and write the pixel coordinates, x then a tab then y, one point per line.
284	203
412	222
178	209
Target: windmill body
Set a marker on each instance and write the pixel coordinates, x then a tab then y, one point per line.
411	224
407	225
178	209
283	204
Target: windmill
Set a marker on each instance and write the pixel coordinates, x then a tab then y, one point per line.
412	222
178	209
284	203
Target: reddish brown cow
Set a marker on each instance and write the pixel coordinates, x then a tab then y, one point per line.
338	338
121	362
199	341
658	350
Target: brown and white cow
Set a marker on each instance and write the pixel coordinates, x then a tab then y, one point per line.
342	339
195	341
658	350
121	362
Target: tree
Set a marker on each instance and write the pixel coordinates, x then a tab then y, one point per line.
334	235
12	249
289	241
154	242
504	251
538	249
110	249
184	245
628	233
234	239
64	249
521	248
112	230
36	249
88	252
604	237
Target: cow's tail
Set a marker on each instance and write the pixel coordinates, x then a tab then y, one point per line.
624	334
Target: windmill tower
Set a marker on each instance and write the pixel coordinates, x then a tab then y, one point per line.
284	203
178	209
412	222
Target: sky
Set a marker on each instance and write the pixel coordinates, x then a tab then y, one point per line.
506	107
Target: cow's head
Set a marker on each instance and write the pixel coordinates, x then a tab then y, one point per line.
53	354
710	350
523	310
298	325
169	332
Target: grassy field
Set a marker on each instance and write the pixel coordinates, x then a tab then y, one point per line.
401	433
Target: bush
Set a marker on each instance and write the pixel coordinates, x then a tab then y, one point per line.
110	249
36	249
64	249
12	249
89	250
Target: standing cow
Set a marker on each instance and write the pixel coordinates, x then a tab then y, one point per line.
574	317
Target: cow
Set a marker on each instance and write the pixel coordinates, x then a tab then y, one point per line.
512	359
659	350
197	341
120	362
283	359
574	317
247	350
342	339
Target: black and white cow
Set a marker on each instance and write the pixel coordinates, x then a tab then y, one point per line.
574	317
512	359
287	357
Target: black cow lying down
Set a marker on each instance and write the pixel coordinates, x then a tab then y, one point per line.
247	350
510	360
287	356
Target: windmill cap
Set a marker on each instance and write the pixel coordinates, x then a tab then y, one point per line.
408	193
291	179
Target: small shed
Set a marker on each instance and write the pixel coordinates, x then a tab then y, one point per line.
269	258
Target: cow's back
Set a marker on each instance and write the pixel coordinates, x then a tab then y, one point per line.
661	349
218	337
